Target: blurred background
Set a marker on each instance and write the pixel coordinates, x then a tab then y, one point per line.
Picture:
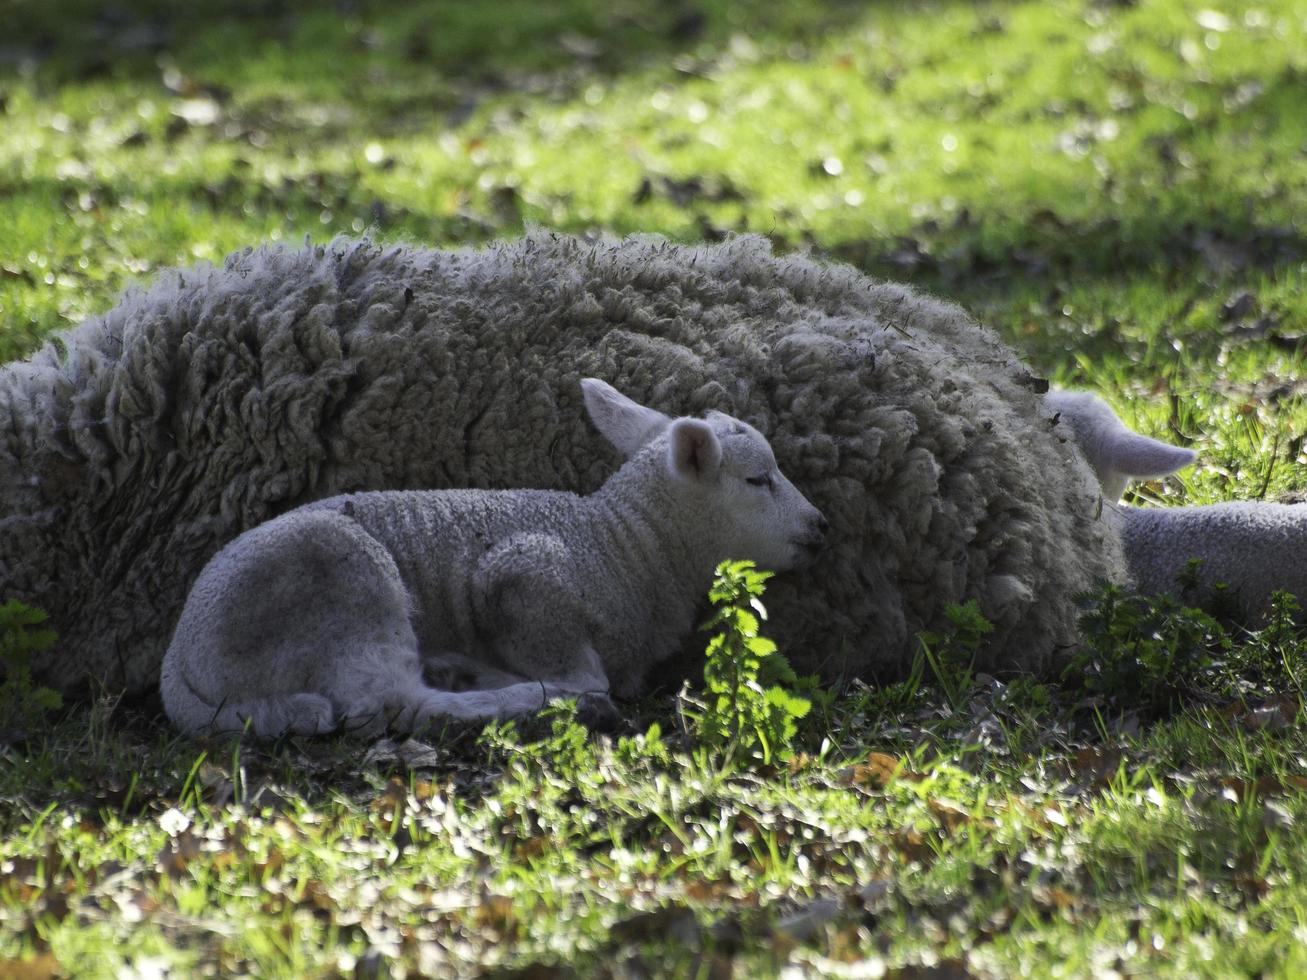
1116	187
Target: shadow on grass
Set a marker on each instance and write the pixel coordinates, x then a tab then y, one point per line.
79	40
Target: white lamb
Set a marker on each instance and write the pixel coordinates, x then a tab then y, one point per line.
331	613
1254	547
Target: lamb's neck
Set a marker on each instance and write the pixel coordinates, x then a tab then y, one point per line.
654	541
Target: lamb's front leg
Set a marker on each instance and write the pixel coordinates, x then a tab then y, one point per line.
421	707
405	703
528	596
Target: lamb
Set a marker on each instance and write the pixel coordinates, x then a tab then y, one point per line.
332	612
1255	547
133	447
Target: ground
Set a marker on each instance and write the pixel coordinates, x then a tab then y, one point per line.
1117	187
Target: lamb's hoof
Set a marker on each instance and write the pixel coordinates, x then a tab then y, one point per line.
598	714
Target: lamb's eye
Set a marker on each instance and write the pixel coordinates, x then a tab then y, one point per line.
758	481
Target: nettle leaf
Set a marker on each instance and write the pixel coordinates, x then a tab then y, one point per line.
20	700
718	617
48	699
792	704
15	613
746	623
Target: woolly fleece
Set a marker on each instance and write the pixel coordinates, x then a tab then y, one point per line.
138	443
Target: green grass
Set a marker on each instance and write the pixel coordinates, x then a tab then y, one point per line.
1012	838
1102	183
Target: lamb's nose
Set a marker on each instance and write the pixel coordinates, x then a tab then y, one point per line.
823	525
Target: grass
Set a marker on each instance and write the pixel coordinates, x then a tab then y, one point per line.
1115	188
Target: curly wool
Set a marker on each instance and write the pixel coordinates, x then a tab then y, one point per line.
137	444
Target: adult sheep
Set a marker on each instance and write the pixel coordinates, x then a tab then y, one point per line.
135	445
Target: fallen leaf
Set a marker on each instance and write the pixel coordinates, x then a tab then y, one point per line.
1274	715
496	912
952	815
1053	897
706	890
263	869
912	844
39	967
178	853
1235	788
1095	767
876	772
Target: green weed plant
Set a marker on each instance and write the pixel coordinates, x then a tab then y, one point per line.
743	714
1155	653
951	654
23	634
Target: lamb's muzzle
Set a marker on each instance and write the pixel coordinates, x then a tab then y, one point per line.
814	541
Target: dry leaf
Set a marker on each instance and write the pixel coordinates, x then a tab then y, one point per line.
950	814
178	853
876	772
496	912
39	967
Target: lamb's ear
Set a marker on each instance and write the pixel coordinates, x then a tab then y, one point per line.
626	424
1115	452
1131	454
694	452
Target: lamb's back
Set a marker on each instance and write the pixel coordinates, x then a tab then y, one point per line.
1258	546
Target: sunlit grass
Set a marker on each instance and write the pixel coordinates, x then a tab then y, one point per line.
1132	855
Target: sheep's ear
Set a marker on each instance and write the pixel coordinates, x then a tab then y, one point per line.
1131	454
694	452
626	424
